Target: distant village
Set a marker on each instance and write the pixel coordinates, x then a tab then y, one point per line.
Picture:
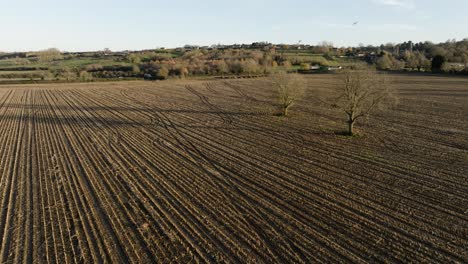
230	61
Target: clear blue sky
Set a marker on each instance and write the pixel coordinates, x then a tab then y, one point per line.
143	24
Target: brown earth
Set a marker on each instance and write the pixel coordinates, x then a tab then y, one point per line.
199	171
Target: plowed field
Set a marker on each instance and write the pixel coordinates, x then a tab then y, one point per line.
203	171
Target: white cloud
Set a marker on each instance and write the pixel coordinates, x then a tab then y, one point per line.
407	4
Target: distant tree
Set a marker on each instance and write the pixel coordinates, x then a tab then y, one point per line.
411	60
49	55
234	66
134	59
184	72
222	67
66	74
384	62
437	63
388	62
305	66
421	61
135	69
266	60
464	59
257	55
397	64
94	67
437	51
323	47
21	61
46	75
359	92
163	73
181	71
289	88
85	76
286	65
319	61
250	66
447	68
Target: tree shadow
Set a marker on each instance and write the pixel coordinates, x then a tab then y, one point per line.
345	133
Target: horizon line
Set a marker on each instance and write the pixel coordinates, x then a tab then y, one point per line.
232	44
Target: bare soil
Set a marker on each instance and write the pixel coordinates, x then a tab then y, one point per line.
204	171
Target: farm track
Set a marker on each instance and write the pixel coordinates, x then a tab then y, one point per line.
190	171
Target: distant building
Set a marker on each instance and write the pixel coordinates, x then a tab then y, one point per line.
191	47
315	67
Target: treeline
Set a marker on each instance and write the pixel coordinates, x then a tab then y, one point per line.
214	62
452	50
450	56
163	65
51	64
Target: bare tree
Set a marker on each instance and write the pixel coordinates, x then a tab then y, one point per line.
289	87
464	59
361	91
222	67
250	66
49	55
66	73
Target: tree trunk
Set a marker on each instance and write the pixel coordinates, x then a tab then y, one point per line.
285	110
351	128
351	121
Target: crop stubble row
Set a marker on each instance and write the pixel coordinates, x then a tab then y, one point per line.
203	171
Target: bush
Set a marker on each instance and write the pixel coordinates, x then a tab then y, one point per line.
94	67
286	65
305	66
163	73
85	76
135	69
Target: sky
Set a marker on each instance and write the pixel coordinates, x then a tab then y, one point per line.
88	25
